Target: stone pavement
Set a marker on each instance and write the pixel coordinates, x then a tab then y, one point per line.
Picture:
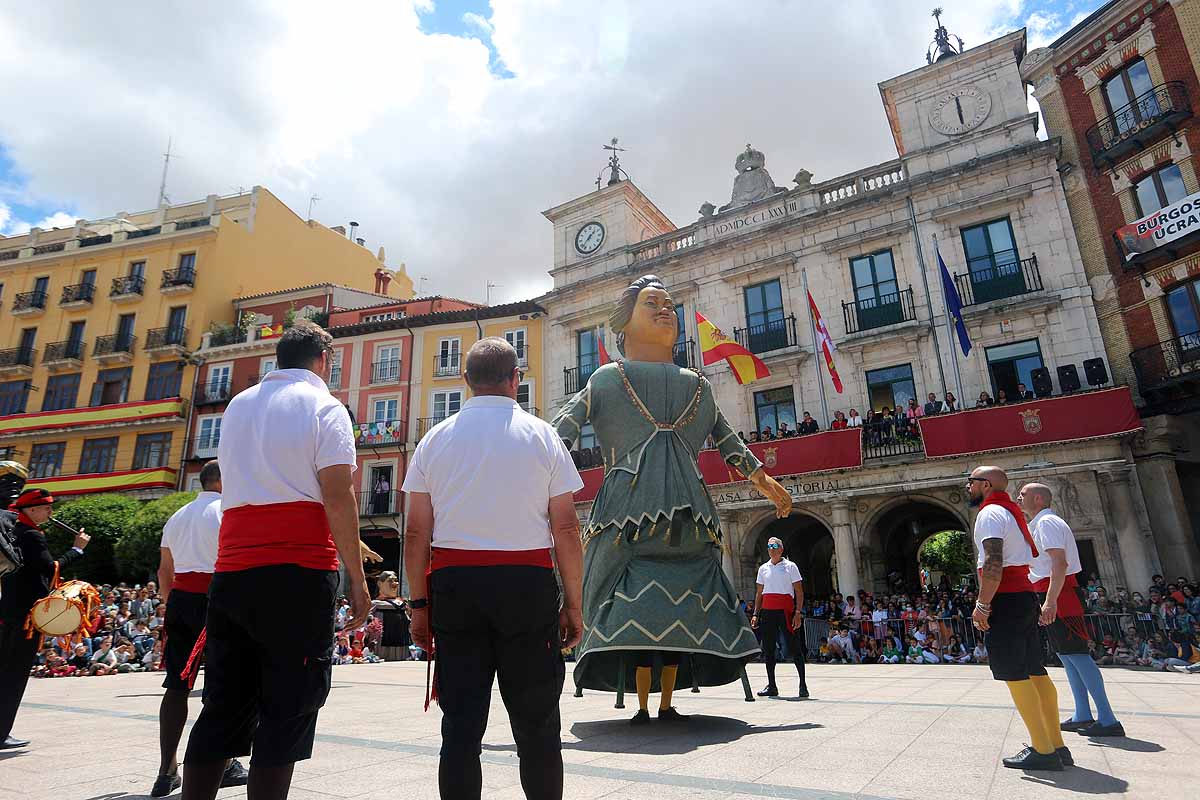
869	731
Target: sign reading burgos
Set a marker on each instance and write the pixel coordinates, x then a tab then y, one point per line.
775	211
1165	225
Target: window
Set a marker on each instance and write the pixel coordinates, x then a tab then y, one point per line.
88	277
75	339
387	364
42	286
46	460
680	353
446	404
335	370
111	386
125	332
152	450
876	291
587	438
1010	364
1123	89
587	348
386	410
99	455
381	317
1183	303
187	266
773	407
8	453
220	376
517	339
164	380
992	260
62	391
13	395
447	357
1159	189
25	348
137	269
176	322
208	436
766	327
525	396
891	386
266	365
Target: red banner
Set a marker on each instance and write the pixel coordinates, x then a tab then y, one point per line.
1053	420
819	452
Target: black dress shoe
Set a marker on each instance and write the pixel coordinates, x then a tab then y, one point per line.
165	784
642	717
1064	755
1032	759
1072	725
235	775
803	691
770	691
671	715
11	743
1097	730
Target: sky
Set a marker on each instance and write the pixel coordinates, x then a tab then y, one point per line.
445	128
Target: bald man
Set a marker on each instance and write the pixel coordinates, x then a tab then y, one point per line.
1007	612
1053	576
779	604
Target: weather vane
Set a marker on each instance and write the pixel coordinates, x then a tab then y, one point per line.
941	41
615	170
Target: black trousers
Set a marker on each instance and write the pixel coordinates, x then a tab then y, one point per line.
186	616
772	623
498	623
16	660
1012	640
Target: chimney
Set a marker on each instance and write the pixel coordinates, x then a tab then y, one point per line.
339	230
361	242
379	281
387	279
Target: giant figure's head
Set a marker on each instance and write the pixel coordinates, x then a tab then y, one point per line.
12	480
645	312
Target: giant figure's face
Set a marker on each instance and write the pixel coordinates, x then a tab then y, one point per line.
653	320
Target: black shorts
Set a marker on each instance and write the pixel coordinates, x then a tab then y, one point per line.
1013	644
1065	641
268	664
186	613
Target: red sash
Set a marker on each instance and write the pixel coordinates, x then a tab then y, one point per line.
276	533
781	602
192	582
1069	609
1004	501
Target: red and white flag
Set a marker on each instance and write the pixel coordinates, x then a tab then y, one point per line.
604	359
828	348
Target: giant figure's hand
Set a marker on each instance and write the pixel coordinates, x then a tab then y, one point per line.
369	556
773	491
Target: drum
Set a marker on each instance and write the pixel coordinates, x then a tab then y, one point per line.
66	611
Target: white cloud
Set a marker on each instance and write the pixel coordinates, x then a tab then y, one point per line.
10	226
412	134
477	22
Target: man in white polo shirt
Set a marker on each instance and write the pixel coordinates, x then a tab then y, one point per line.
288	512
491	492
779	604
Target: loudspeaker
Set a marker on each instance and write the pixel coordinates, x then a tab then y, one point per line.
1068	378
1042	386
1097	374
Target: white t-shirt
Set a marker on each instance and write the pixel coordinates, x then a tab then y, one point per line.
854	422
778	578
995	522
1051	532
192	532
490	471
277	435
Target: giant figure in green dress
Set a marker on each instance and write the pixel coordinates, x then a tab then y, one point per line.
654	592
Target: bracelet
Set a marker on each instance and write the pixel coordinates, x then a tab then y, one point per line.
984	607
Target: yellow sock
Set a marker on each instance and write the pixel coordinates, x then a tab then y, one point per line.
1025	696
668	686
1048	700
642	678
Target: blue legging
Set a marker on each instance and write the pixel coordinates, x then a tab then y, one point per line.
1084	677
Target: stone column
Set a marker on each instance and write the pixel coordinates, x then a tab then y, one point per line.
1136	556
845	547
1168	514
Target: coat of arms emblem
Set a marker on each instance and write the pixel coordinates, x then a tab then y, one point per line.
770	457
1031	420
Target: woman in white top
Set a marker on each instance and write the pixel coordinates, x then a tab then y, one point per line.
854	421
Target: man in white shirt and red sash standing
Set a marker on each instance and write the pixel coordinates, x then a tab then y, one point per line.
1007	612
779	604
287	459
491	490
1053	575
188	552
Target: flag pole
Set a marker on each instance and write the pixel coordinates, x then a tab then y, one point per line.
812	327
950	336
916	232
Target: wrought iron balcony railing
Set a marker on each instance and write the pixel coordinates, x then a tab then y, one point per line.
575	378
129	284
158	338
62	351
684	354
378	503
113	344
16	357
1132	127
335	378
522	354
216	391
385	371
380	432
898	437
876	312
78	293
998	278
28	301
447	365
775	334
184	276
1169	369
425	423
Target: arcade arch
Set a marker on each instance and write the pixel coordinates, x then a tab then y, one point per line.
809	543
897	531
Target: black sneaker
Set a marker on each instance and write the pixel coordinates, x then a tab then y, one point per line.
671	715
235	775
804	691
1098	730
1072	725
1064	755
165	784
770	691
642	717
1032	759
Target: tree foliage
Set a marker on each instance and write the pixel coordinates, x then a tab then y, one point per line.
137	551
104	517
948	552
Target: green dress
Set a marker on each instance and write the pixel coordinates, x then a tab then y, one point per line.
652	563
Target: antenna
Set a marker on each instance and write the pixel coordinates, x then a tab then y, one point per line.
488	293
421	285
312	201
162	185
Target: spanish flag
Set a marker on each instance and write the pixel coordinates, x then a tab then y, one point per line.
715	345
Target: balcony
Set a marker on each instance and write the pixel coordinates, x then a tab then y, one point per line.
114	349
886	441
528	409
684	354
178	281
16	362
167	340
335	378
384	371
1133	127
378	504
447	365
380	433
206	446
522	355
64	355
158	479
425	423
575	378
79	295
994	280
1169	372
879	312
126	289
215	391
28	304
775	334
110	415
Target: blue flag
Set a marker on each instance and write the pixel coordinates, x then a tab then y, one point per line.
953	304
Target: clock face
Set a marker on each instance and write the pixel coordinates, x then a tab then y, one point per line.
960	110
589	238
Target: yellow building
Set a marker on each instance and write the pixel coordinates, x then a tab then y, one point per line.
97	323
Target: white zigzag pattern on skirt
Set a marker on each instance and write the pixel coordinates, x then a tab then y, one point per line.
674	601
676	624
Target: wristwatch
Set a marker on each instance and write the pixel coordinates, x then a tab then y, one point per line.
422	602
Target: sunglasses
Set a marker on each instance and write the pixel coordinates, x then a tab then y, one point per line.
981	480
774	547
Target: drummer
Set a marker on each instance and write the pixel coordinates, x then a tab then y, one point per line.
19	591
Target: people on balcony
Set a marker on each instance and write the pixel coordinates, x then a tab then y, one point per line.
1023	393
767	436
785	432
933	406
839	422
1001	398
753	437
913	411
950	404
808	425
985	400
854	420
